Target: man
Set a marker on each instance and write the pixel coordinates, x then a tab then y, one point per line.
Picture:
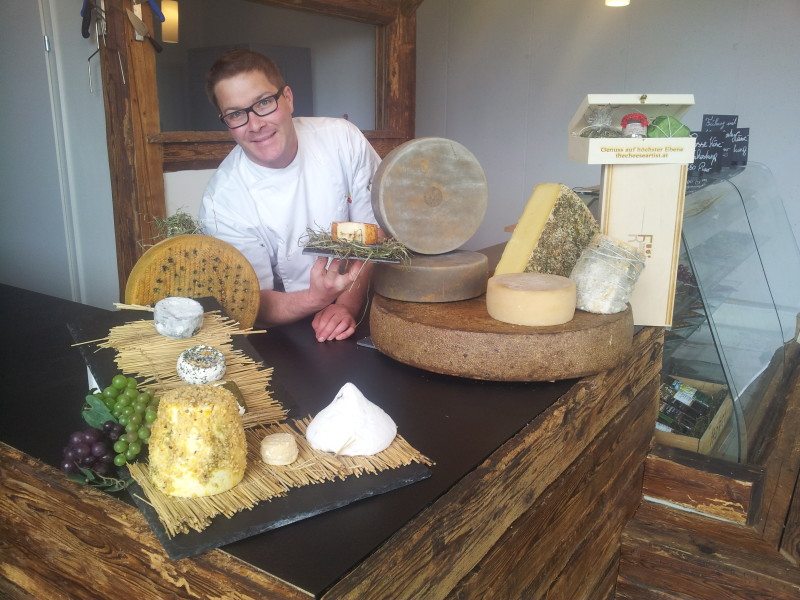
284	176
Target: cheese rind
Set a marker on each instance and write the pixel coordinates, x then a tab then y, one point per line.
456	275
349	231
197	444
533	299
552	232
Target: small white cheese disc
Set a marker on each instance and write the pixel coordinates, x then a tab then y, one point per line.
351	425
279	449
533	299
178	317
201	364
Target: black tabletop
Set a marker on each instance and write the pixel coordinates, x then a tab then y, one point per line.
456	422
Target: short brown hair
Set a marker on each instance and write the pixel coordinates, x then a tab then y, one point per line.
235	62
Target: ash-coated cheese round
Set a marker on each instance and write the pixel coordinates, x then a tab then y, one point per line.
178	317
201	364
430	194
457	275
532	299
279	449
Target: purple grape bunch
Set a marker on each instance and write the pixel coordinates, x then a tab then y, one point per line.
92	449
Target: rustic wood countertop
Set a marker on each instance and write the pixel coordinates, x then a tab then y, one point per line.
532	482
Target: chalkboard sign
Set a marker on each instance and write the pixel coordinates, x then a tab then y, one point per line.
719	122
707	151
740	139
720	145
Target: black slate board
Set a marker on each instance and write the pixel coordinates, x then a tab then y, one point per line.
298	504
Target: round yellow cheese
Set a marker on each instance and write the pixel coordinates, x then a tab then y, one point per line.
533	299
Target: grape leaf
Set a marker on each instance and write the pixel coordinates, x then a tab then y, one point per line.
95	413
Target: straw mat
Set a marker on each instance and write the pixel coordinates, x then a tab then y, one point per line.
265	482
142	351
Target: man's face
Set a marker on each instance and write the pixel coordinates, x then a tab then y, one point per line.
268	141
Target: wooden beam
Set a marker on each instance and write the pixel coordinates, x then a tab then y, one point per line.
598	488
64	540
672	554
131	109
378	12
715	487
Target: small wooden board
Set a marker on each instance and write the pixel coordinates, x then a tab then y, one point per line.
460	338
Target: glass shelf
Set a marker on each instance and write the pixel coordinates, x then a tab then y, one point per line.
736	307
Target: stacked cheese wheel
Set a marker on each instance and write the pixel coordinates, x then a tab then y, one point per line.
431	194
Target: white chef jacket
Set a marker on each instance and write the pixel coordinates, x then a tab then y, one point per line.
264	212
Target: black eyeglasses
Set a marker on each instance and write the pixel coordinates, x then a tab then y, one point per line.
262	108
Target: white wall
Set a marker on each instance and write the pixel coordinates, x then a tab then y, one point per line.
504	77
56	220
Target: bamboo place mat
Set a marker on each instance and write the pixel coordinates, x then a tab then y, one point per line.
265	482
142	351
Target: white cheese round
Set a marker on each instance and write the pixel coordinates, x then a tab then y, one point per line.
533	299
201	364
279	449
178	317
351	425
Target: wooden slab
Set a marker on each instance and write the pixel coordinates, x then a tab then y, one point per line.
430	194
460	338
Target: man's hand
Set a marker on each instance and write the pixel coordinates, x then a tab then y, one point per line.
334	322
335	299
327	283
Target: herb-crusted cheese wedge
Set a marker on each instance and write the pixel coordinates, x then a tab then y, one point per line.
552	232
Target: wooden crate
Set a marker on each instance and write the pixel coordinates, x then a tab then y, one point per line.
715	430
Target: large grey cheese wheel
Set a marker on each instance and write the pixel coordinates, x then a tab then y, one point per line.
430	194
457	275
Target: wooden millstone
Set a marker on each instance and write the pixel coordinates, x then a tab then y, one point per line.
460	338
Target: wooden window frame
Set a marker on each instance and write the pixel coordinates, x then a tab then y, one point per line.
140	153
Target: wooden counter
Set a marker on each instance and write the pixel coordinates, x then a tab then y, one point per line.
532	484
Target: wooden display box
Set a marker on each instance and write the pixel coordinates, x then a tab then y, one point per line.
642	192
631	151
718	426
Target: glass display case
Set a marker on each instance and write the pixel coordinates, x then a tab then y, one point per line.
735	317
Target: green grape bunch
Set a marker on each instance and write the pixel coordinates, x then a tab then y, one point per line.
135	411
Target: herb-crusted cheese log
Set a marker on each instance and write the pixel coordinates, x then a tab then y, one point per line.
197	443
552	232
